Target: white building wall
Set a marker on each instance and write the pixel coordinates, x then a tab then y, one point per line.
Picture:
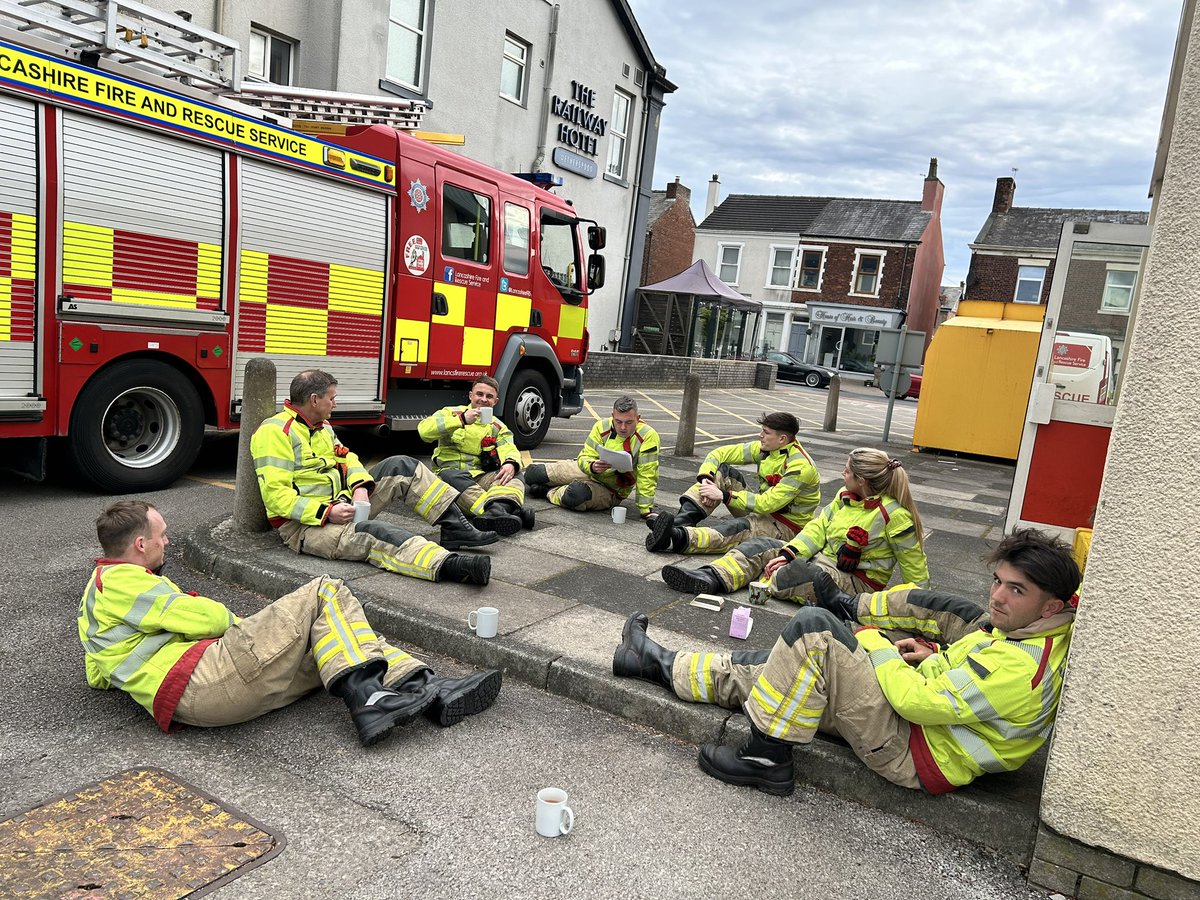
1122	772
342	45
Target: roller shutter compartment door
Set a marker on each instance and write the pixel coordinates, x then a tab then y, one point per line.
143	221
18	256
311	280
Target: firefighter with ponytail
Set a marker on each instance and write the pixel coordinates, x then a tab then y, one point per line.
871	527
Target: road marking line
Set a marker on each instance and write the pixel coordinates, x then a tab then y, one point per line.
588	407
675	416
213	482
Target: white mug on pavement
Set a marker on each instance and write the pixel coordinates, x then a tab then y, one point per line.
484	621
553	817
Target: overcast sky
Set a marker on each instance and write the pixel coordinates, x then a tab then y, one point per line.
851	99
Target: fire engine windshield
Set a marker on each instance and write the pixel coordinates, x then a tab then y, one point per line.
560	254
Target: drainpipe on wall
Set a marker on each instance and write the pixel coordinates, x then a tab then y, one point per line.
544	118
657	87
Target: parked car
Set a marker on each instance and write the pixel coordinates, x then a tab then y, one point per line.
792	369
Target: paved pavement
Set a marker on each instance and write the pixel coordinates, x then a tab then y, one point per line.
439	813
565	588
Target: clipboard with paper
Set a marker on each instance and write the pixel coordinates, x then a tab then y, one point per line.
618	459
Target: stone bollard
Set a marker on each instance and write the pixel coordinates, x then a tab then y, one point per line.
831	402
258	403
685	437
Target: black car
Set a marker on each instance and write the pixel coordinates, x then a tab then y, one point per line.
792	369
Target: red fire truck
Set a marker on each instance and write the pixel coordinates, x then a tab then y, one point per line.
155	235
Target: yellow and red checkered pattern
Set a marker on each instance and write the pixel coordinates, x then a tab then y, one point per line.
142	269
18	268
309	308
475	329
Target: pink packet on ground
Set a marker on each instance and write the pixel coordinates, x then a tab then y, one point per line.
741	623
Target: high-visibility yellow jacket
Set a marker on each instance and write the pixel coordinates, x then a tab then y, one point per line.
462	446
137	629
893	538
984	704
303	468
790	485
642	446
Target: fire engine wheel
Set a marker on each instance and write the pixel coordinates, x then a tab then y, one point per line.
527	412
136	427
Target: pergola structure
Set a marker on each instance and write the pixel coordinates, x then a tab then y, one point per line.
693	313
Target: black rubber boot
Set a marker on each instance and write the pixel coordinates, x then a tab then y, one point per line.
376	710
527	518
464	569
458	698
537	481
499	516
457	532
664	535
703	580
690	513
763	762
831	597
639	657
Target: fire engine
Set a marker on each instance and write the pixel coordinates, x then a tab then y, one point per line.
162	222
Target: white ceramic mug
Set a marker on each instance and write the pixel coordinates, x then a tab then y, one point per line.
362	511
619	515
553	817
485	415
484	621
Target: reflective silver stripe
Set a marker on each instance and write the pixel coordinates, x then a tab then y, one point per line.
138	657
298	509
274	462
145	601
312	490
976	748
109	637
881	655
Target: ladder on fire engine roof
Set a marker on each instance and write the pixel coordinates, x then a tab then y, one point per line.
129	32
303	105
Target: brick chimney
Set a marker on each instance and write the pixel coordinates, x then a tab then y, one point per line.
933	191
1005	189
714	191
676	191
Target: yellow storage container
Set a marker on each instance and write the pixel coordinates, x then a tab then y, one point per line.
978	371
1082	547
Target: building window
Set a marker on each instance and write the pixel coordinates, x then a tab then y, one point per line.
1029	284
407	21
868	267
729	259
270	56
780	273
1118	289
516	239
812	262
466	224
513	68
618	133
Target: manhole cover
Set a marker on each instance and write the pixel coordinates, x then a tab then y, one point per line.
139	833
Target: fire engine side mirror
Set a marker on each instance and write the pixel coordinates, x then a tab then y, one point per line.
595	272
597	238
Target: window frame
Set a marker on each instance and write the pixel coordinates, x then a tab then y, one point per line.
522	66
785	285
508	245
445	246
1044	266
619	132
269	39
422	32
737	265
1124	269
856	272
800	251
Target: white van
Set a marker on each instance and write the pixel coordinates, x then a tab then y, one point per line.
1081	367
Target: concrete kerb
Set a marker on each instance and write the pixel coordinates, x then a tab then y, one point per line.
993	821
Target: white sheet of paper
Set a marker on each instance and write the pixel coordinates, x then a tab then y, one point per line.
618	459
